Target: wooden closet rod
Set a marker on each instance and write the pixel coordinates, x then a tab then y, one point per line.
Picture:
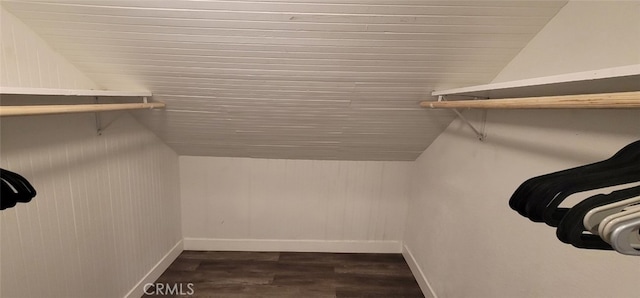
66	109
619	100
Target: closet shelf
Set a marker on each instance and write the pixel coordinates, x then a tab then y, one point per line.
617	79
71	92
611	88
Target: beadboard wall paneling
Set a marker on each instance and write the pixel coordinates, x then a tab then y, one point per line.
296	202
107	209
290	79
28	61
106	212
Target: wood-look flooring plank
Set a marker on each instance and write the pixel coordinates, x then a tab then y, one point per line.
239	277
184	265
375	269
211	290
325	280
229	255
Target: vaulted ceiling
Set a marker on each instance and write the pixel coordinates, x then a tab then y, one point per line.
307	79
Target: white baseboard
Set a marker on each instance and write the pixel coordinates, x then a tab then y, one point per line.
156	271
292	245
424	284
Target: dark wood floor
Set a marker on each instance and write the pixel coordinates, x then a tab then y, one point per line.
285	274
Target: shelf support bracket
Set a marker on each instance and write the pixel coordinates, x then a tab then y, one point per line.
480	135
98	120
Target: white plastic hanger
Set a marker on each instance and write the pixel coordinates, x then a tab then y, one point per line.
608	224
625	233
594	217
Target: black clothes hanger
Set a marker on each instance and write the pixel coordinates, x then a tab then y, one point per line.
521	196
527	190
16	187
571	227
7	196
25	190
544	206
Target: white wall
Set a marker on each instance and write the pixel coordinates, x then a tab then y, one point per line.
28	61
467	240
460	230
107	209
584	35
303	205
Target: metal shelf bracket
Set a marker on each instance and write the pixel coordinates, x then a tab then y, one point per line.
479	133
98	120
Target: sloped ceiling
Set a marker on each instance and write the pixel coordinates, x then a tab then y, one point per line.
302	79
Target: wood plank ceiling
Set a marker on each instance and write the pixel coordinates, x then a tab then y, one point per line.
298	79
